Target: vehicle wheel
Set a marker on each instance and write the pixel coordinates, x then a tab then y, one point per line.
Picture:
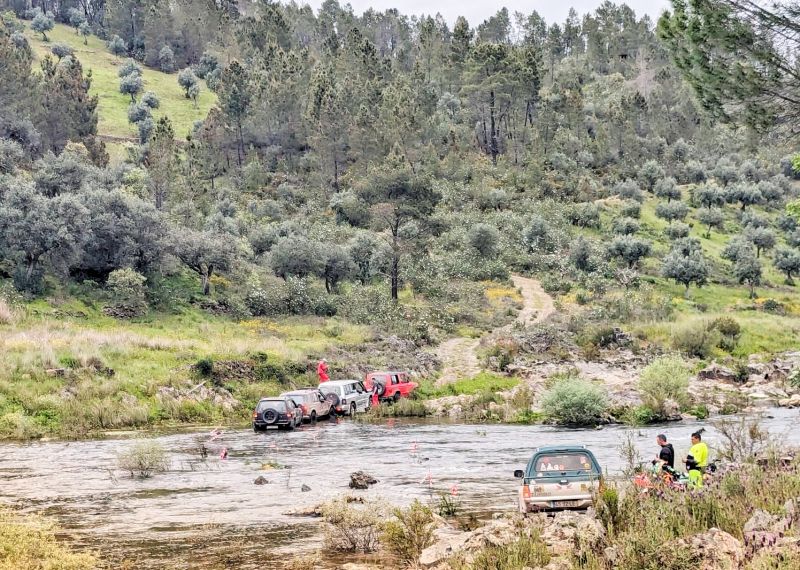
353	409
396	397
380	389
270	416
333	399
290	427
313	416
258	429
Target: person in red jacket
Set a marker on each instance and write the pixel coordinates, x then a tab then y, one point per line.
322	371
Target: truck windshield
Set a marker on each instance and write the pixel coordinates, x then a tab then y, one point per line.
557	463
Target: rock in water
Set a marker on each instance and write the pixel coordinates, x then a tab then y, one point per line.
305	488
261	480
361	480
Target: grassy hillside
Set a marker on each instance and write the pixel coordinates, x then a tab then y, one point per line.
113	106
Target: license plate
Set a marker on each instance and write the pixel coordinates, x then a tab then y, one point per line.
565	504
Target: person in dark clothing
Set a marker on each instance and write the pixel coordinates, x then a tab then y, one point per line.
667	453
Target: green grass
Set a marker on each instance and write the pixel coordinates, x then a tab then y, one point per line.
145	355
483	382
113	105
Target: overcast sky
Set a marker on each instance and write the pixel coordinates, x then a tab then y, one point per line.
476	11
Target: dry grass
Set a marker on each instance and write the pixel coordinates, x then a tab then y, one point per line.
8	315
30	542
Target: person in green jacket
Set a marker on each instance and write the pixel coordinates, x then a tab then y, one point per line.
697	461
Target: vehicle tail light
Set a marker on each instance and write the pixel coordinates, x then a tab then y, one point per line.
526	492
290	414
304	408
255	415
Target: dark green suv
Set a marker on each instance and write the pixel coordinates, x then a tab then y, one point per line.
559	478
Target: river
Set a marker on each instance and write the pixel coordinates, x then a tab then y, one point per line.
206	511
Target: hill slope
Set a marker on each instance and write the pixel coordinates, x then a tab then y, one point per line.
113	106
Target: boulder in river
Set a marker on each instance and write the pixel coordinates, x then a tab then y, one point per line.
261	480
305	488
361	480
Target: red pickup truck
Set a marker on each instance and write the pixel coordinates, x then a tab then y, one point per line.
390	385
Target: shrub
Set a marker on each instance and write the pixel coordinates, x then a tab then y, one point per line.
667	189
650	173
625	226
573	401
143	459
353	527
127	292
664	379
131	85
695	339
204	367
410	532
207	64
631	209
629	249
61	50
42	23
484	239
585	215
727	326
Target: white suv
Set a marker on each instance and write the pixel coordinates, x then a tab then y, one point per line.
311	401
347	396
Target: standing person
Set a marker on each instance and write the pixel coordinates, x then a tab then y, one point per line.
697	460
667	453
322	371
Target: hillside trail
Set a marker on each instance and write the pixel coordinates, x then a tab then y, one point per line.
458	355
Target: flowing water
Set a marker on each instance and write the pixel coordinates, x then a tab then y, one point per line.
205	512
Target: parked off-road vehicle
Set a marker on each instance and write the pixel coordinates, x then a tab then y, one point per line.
390	386
281	413
347	397
559	478
311	401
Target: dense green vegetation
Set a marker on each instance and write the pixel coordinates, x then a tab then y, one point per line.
350	179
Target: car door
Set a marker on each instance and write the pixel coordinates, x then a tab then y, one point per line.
364	397
324	405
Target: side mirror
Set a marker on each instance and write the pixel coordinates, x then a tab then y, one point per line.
519	474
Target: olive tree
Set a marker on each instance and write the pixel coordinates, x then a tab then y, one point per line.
672	211
35	228
686	264
204	252
711	218
709	195
650	173
747	270
338	266
297	256
187	79
42	23
667	189
131	85
762	238
117	46
787	261
629	249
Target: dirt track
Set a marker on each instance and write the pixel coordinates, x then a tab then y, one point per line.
458	356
